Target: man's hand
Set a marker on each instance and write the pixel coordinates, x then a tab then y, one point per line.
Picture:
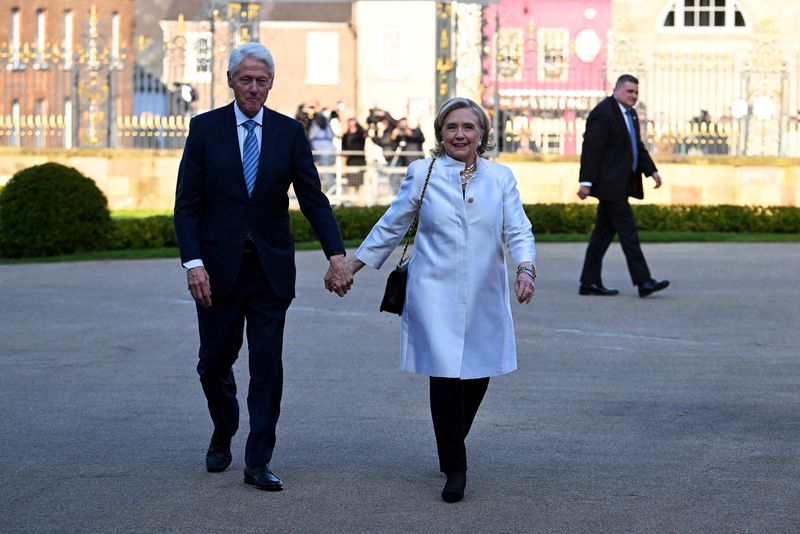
657	178
339	277
199	285
584	191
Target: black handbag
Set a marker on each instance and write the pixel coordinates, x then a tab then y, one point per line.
394	296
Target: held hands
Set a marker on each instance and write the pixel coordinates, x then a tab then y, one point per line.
524	286
199	285
339	278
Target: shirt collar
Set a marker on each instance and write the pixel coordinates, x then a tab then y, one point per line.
452	162
622	107
241	117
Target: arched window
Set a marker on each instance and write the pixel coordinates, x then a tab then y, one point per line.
717	16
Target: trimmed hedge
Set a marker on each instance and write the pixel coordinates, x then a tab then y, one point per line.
147	232
579	218
52	209
355	223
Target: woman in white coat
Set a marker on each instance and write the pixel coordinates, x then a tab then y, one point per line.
456	324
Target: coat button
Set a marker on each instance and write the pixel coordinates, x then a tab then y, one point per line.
470	200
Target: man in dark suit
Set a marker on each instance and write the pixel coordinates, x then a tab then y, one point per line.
232	223
612	162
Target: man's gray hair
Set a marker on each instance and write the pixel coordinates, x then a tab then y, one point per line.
458	102
252	50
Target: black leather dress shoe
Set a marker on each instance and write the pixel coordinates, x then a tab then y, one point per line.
218	457
262	478
454	487
651	286
597	289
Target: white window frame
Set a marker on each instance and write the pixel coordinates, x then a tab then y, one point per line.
16	123
68	118
322	58
115	25
677	6
15	39
542	36
40	116
391	63
41	27
66	45
190	72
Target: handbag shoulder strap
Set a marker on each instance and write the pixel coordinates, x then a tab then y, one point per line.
412	229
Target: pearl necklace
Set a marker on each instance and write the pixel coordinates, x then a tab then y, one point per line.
468	174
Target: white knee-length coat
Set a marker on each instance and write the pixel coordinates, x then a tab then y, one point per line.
457	316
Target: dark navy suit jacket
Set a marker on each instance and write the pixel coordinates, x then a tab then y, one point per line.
214	214
607	155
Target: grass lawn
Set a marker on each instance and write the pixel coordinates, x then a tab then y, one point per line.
646	237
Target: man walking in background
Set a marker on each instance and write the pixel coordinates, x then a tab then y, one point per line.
612	162
232	223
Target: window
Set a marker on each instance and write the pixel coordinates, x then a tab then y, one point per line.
391	65
322	58
40	59
510	44
15	123
115	39
203	54
66	46
14	41
703	16
40	32
40	116
68	123
553	51
197	61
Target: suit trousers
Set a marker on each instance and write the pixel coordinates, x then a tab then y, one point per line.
614	217
222	325
454	403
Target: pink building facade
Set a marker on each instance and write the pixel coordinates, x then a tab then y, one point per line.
549	73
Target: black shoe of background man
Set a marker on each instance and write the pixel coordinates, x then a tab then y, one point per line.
218	457
651	286
597	289
262	478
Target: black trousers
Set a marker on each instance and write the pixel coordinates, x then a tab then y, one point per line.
614	217
222	326
454	403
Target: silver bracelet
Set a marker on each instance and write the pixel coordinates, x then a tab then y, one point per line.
529	269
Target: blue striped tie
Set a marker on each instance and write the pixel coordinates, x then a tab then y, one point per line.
250	156
634	139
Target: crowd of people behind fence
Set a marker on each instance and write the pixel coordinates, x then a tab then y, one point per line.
396	142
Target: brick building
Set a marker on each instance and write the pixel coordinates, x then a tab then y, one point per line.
67	71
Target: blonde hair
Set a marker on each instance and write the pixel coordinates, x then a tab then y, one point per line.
458	102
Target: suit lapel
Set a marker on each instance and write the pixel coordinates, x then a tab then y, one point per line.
229	146
621	119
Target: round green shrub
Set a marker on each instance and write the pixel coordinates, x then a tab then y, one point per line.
52	209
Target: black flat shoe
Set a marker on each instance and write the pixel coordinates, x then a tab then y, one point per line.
597	289
454	487
263	478
651	286
218	457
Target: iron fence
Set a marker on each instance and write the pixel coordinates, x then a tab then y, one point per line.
748	108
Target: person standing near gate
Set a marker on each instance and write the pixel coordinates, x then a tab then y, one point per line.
232	224
612	162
